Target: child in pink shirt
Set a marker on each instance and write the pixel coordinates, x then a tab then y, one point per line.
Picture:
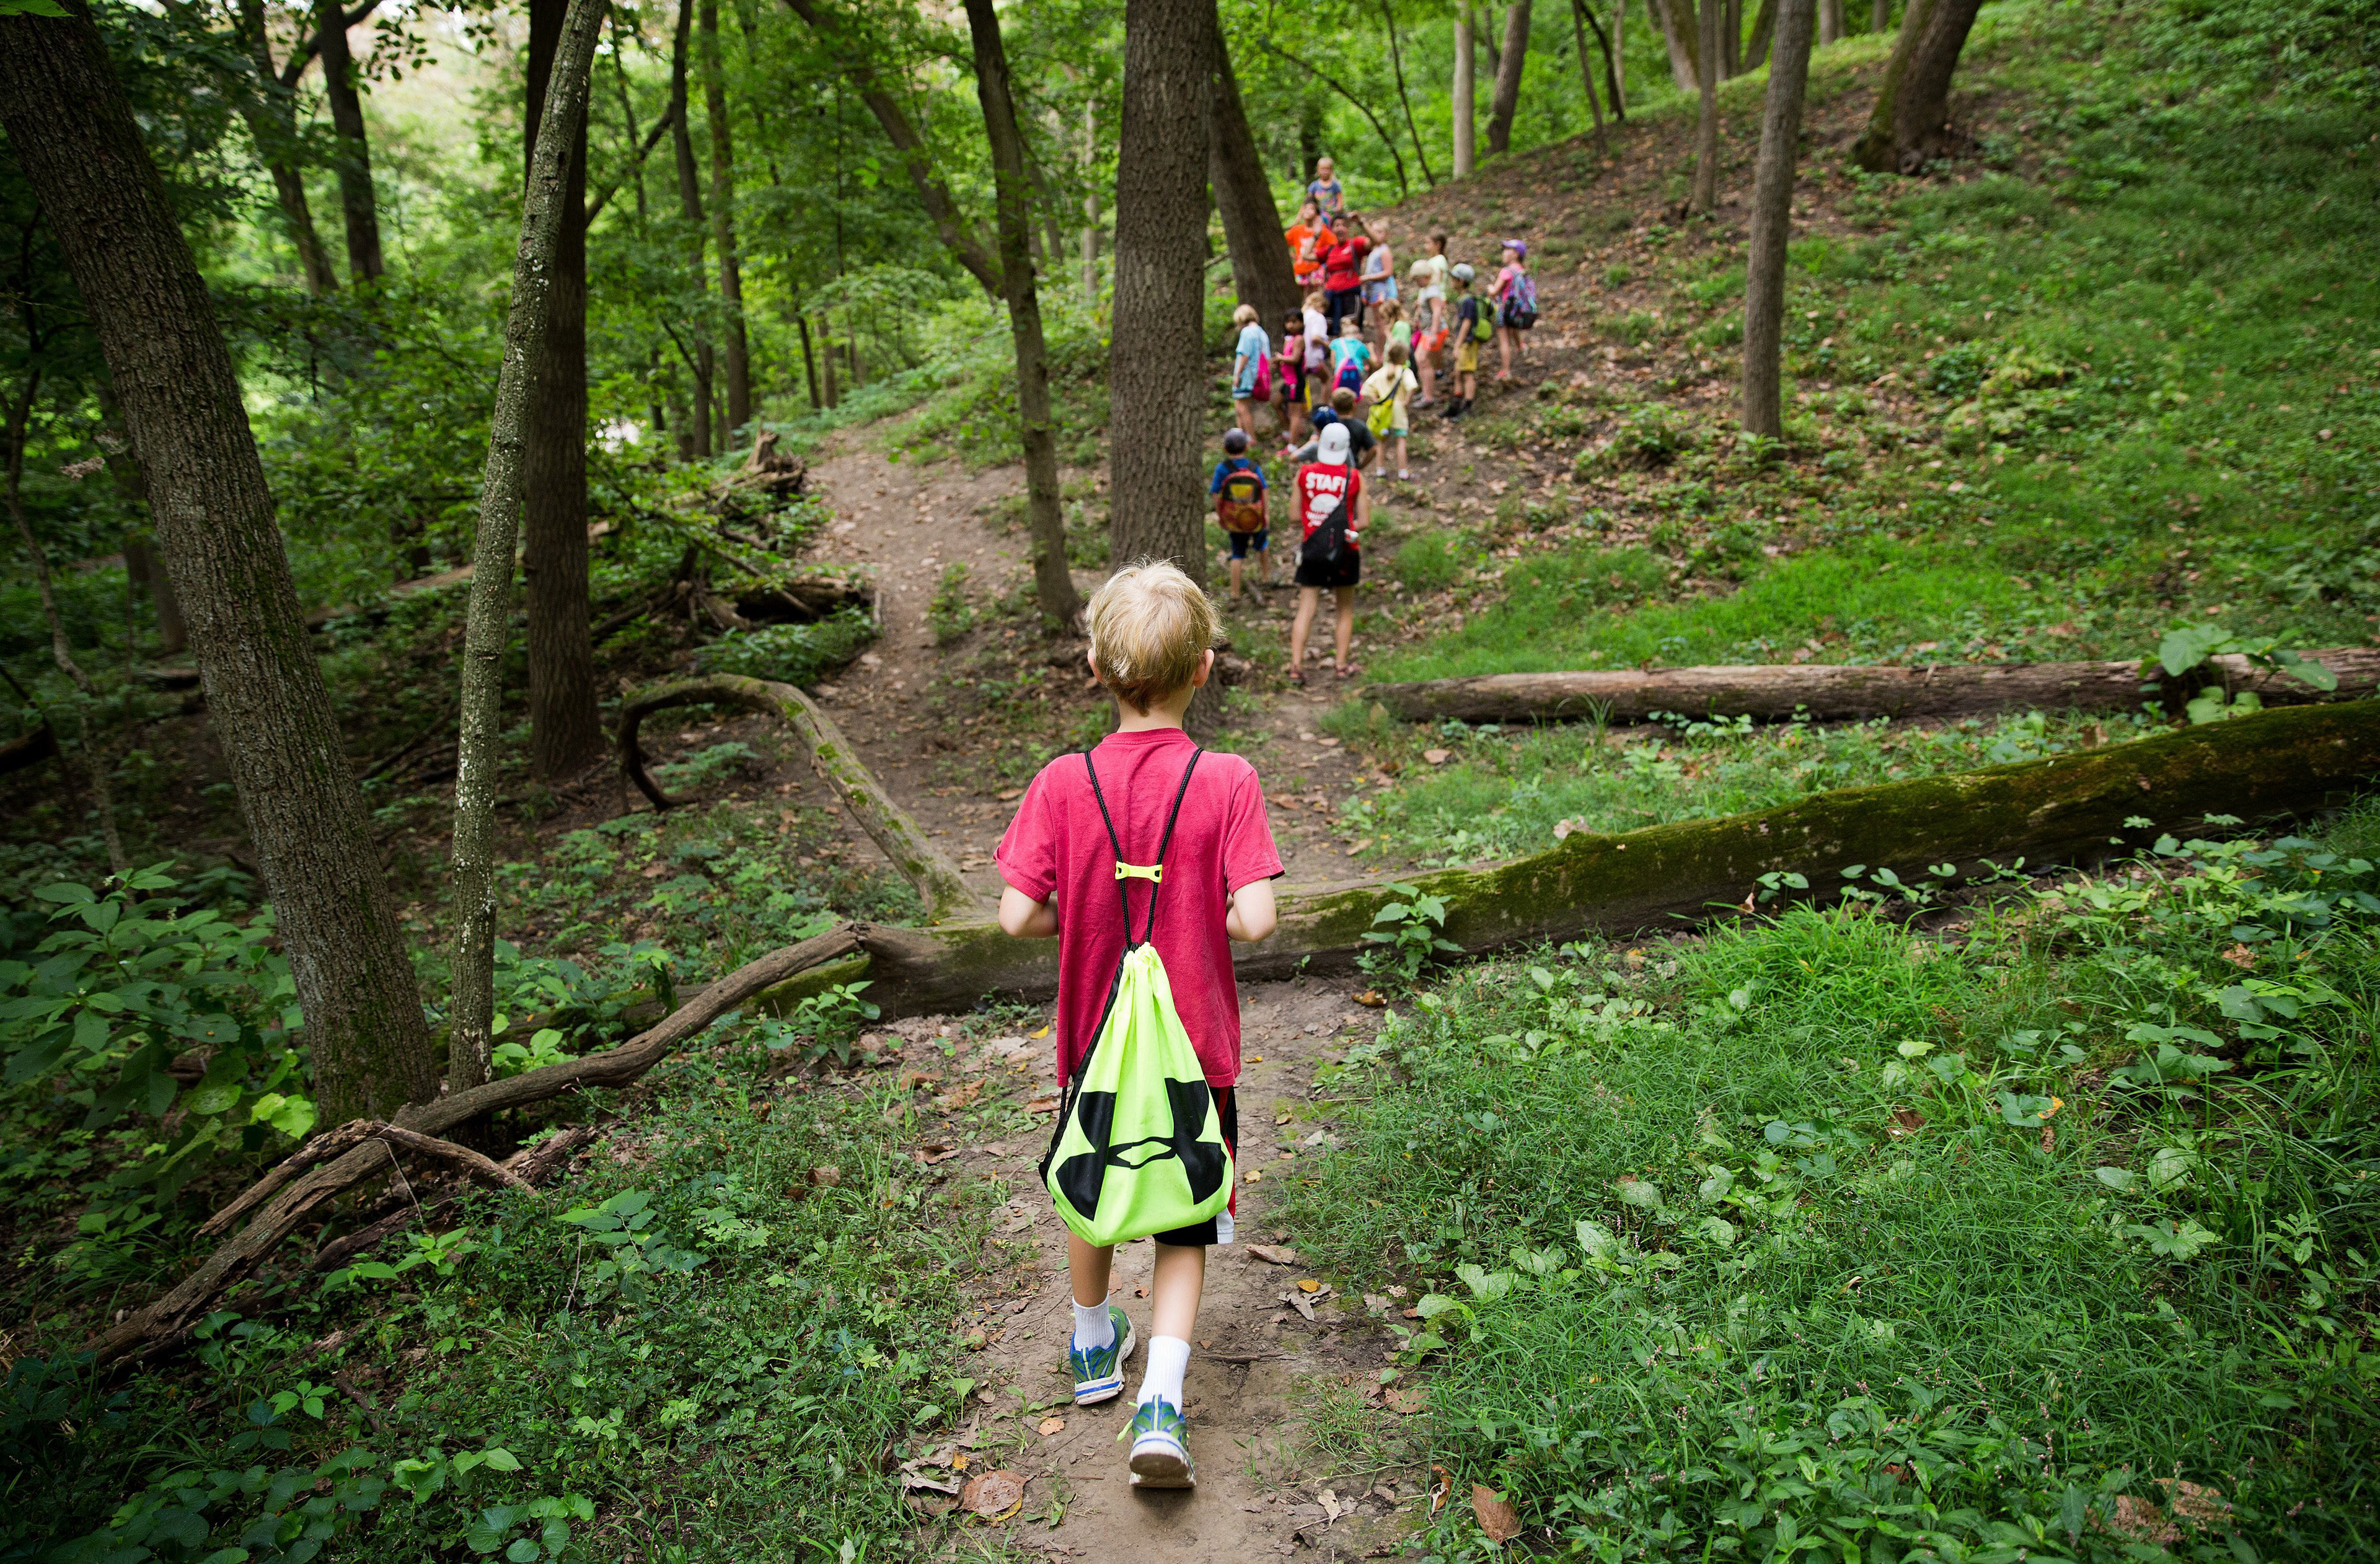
1153	633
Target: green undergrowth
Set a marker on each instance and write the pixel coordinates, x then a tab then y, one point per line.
1504	793
2051	1240
2121	412
698	1349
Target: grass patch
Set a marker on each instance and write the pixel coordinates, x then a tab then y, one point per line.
1823	1229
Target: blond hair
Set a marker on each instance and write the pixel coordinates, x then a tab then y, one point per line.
1243	314
1150	627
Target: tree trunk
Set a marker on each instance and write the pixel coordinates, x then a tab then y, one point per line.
1705	190
74	135
566	719
140	555
1764	23
1054	587
1506	100
1615	60
1830	22
1680	26
734	351
1404	98
1730	41
1881	15
552	208
810	359
1909	128
1091	202
357	203
689	203
1772	224
93	754
1830	693
1262	273
1587	75
1465	86
1157	381
265	107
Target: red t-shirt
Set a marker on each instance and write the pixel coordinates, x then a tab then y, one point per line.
1343	267
1317	486
1220	843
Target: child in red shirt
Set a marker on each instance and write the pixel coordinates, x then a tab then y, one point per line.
1153	633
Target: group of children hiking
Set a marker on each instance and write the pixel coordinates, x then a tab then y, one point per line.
1147	1023
1345	379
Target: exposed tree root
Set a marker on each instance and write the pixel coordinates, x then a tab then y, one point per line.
1830	693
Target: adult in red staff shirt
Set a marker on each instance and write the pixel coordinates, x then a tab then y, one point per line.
1333	511
1343	274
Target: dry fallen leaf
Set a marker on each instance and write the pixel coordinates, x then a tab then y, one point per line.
914	1481
1438	756
1011	794
1301	1303
1273	1253
993	1494
1905	1122
1442	1489
959	1097
1407	1400
1052	1424
826	1177
1497	1519
1042	1105
929	1155
1307	1284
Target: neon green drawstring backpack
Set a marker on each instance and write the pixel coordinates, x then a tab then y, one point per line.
1139	1147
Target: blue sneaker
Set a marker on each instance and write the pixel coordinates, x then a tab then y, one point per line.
1159	1458
1099	1371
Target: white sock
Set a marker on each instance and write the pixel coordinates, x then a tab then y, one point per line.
1093	1326
1169	1359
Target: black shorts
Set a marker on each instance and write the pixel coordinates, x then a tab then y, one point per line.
1243	541
1326	575
1201	1234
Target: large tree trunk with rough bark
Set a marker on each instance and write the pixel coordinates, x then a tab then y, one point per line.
1772	224
566	719
2066	808
1910	125
1506	102
1830	693
1261	274
1156	369
357	203
690	203
1466	89
73	134
734	354
1053	585
551	208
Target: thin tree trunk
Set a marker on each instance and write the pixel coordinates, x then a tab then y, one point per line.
272	124
1507	99
957	235
140	554
1397	59
358	204
1706	192
734	350
1262	273
1053	587
1730	41
73	134
1091	201
565	717
1772	223
810	359
1361	106
1157	368
86	744
1881	15
552	208
1830	22
689	201
1910	125
1466	85
1764	23
1680	25
1578	13
826	343
1615	60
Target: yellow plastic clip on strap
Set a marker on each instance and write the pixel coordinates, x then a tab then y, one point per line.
1154	873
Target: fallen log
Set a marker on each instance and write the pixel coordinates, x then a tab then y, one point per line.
2064	808
1833	693
530	1165
926	866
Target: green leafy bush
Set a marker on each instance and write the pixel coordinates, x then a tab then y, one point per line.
794	654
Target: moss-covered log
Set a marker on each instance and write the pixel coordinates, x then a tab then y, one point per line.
1831	693
926	866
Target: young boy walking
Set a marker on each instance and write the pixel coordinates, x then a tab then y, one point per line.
1153	633
1238	488
1466	344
